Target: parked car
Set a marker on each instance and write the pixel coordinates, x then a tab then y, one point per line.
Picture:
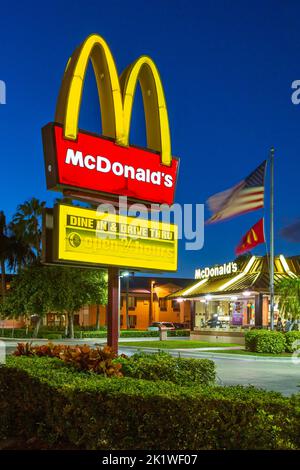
214	323
156	325
179	326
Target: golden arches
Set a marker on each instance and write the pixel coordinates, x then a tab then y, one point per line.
115	96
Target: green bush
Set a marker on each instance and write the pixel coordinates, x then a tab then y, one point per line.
179	333
89	328
124	334
23	333
129	333
90	334
41	397
15	333
83	332
138	333
52	336
265	341
162	366
51	329
290	337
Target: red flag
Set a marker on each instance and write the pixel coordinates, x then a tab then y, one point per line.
255	236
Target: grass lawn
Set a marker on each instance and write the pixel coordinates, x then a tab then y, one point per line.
249	353
176	344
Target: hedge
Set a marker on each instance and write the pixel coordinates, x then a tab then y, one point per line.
290	337
124	334
22	333
265	341
102	333
162	366
130	333
41	397
179	333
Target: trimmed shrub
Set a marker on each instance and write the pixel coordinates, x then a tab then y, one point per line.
138	334
15	333
56	332
23	333
90	334
265	341
162	366
290	337
130	333
93	412
53	336
124	334
178	333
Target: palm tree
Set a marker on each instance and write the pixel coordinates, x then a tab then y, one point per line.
289	291
15	252
26	223
19	252
3	250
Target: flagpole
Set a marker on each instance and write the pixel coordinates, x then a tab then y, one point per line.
272	237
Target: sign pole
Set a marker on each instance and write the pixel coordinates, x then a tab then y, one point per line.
272	237
113	308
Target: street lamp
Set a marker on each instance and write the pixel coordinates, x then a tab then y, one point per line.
126	274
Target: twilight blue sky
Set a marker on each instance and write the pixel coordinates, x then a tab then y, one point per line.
227	69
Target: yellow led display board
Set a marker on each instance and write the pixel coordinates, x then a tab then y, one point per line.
87	237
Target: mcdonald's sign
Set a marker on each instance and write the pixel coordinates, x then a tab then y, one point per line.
108	165
84	237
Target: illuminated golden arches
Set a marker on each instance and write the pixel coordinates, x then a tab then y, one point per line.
116	99
156	114
69	100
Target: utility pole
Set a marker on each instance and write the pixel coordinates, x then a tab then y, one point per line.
127	299
113	313
272	237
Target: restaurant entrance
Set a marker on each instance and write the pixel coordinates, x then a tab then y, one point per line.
220	311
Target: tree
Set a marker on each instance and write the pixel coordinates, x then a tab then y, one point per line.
19	252
3	251
30	294
26	223
289	291
74	288
99	296
14	251
38	290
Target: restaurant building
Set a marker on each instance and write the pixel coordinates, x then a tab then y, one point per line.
236	293
148	302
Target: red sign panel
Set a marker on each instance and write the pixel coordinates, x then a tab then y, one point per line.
92	163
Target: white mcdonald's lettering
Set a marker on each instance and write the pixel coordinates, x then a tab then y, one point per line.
220	270
104	165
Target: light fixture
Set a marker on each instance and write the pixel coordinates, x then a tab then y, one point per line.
125	274
246	293
234	297
208	297
180	299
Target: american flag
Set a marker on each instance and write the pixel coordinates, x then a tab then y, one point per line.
246	196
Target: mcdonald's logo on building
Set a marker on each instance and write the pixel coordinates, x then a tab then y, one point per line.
79	161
